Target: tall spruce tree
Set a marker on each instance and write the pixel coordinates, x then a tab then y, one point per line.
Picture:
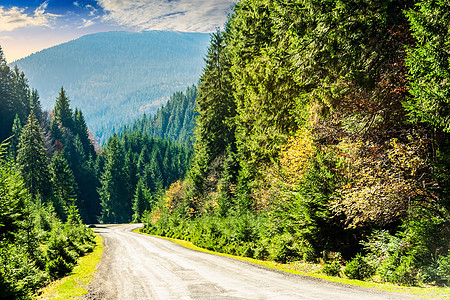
429	64
62	111
140	200
113	184
216	108
32	161
64	185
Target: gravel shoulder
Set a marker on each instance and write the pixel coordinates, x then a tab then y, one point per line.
136	266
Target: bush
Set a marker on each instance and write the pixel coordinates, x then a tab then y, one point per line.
358	268
406	273
60	257
438	271
333	268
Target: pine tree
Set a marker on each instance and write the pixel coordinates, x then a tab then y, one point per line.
81	129
113	184
32	161
20	100
62	111
5	94
64	185
35	105
429	64
16	131
216	107
140	201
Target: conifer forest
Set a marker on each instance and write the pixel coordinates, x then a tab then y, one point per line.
319	131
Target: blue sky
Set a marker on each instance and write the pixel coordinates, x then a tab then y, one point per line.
33	25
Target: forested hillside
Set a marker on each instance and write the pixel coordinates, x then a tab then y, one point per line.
104	72
52	179
173	121
323	135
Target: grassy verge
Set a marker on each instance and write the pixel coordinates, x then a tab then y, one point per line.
75	285
313	270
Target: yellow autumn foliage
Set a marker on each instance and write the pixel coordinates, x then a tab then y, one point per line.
384	180
295	156
282	179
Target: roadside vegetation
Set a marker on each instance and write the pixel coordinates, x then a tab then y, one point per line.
75	284
323	136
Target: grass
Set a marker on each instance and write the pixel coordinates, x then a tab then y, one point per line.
75	285
313	270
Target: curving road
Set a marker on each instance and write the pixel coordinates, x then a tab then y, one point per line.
136	266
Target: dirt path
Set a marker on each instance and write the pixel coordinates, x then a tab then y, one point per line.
136	266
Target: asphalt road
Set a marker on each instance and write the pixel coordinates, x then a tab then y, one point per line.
136	266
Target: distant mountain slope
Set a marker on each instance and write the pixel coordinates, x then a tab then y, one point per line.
115	76
175	120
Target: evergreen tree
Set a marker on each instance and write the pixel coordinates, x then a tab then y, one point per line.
5	90
16	131
32	161
20	97
216	107
81	129
113	184
429	64
140	200
62	111
64	185
35	105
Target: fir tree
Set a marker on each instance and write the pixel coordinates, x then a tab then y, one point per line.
16	131
31	159
113	184
62	111
64	185
429	64
140	201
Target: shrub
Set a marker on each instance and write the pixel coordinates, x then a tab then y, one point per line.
438	271
358	268
406	273
333	268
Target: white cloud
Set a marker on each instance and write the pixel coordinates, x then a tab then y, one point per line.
92	9
88	22
177	15
16	17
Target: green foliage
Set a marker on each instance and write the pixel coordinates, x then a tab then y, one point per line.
142	201
64	185
428	64
62	112
35	245
358	268
156	163
333	268
32	159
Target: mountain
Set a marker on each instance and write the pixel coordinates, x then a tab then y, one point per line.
116	76
174	121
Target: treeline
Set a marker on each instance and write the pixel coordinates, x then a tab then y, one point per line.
137	168
323	134
52	179
173	121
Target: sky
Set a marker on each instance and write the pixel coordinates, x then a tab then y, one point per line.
30	26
